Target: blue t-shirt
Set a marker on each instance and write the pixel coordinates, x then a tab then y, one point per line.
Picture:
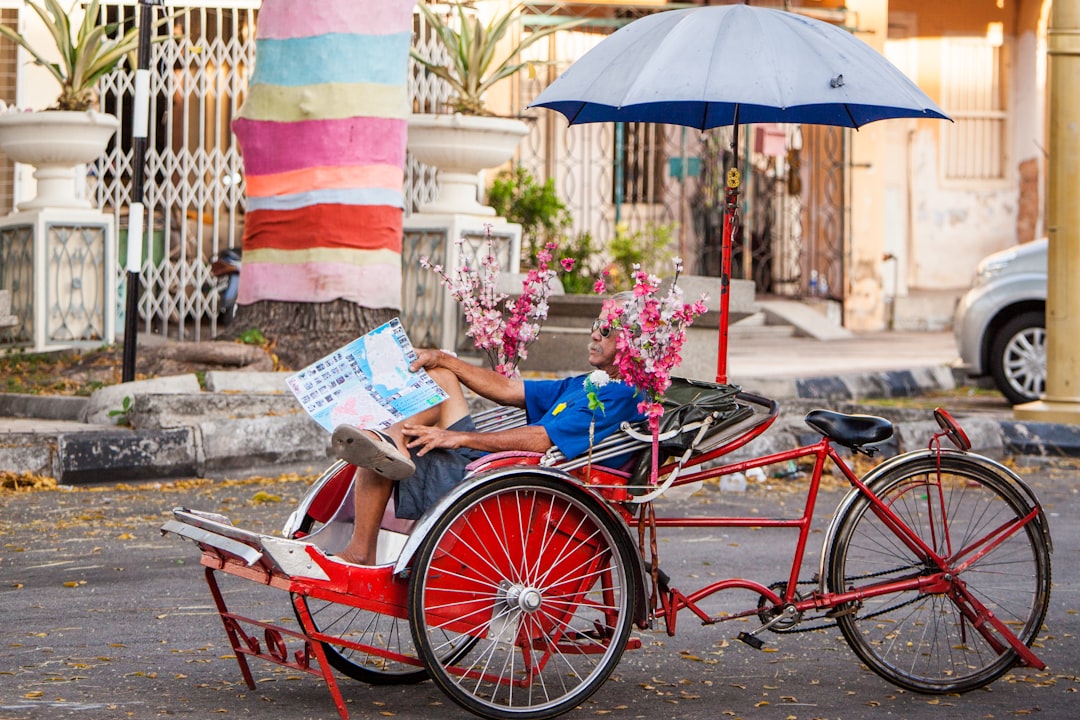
562	408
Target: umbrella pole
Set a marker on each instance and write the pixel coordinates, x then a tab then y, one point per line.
731	198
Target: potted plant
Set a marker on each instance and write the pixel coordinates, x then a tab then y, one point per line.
471	139
71	132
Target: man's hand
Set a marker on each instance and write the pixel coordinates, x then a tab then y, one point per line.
482	381
427	359
423	438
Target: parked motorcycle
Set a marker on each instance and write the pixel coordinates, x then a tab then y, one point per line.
226	267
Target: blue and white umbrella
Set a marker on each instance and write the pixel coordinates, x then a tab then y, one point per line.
723	65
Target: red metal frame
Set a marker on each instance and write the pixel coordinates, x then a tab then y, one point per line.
343	587
244	644
979	616
378	590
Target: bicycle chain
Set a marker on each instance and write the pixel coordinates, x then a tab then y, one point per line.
880	573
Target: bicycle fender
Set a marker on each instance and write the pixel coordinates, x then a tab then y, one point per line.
430	517
292	523
870	479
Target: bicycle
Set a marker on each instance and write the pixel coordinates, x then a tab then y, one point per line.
518	592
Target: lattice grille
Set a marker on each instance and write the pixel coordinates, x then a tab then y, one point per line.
194	173
423	300
16	275
75	287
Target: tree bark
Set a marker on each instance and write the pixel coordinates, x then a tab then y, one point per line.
301	332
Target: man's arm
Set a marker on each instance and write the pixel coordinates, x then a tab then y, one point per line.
483	382
531	438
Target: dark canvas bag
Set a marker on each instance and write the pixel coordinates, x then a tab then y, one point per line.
686	404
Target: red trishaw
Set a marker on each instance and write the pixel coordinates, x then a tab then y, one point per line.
518	592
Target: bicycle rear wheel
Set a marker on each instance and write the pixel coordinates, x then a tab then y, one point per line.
539	573
923	641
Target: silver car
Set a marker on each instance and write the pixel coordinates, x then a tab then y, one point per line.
1000	324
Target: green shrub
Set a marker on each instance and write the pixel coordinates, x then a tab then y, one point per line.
588	264
649	247
517	196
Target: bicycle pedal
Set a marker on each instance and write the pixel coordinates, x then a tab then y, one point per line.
751	640
842	611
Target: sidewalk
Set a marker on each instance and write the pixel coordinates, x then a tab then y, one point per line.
245	421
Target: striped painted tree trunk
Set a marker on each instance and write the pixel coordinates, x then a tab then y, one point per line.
323	131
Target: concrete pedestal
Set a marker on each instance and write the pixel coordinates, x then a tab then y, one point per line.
429	313
59	265
564	339
1049	411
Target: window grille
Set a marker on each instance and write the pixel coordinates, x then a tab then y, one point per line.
973	146
640	165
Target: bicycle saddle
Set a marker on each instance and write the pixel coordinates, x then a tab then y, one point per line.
853	431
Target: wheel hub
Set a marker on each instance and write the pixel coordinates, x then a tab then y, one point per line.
522	597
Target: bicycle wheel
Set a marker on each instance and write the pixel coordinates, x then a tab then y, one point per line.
539	573
387	635
923	641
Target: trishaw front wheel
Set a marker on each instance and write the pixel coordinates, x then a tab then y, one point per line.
539	573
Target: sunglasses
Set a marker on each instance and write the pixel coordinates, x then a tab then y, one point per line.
602	327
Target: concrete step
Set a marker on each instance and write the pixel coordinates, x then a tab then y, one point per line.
817	319
754	331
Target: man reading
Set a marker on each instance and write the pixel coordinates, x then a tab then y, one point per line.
420	459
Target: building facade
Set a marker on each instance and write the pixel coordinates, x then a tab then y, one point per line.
883	226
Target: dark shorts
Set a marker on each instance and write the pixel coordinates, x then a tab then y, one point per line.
436	474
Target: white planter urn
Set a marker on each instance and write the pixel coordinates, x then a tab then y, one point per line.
55	142
460	147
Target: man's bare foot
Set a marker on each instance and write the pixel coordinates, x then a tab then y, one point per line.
353	557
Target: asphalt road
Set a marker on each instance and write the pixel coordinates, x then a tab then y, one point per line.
102	617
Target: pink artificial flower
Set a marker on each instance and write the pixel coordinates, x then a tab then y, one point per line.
504	339
652	331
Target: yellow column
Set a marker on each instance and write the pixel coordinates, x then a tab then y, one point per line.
1061	403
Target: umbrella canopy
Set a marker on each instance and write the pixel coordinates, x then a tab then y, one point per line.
731	64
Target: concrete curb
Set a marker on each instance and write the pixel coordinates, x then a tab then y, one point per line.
834	388
173	429
249	421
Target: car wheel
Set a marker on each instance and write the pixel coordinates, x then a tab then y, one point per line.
1018	358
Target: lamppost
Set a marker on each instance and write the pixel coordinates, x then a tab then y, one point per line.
140	122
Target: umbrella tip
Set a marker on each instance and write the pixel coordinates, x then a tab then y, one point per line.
837	81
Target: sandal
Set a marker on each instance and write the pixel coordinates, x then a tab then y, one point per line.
379	453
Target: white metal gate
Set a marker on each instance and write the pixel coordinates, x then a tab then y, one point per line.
194	174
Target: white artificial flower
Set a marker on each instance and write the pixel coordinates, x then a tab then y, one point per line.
599	378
